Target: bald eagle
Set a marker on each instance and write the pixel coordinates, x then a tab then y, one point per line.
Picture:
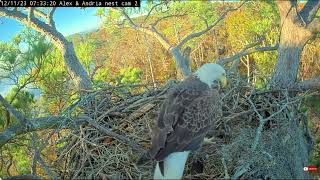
185	117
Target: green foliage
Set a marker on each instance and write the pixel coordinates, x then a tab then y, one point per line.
100	12
129	76
101	75
85	52
8	53
2	117
20	100
313	102
21	158
257	20
110	18
197	11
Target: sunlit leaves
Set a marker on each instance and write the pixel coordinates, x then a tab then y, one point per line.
129	76
85	51
100	12
20	99
8	53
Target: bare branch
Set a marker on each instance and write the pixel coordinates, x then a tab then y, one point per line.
35	24
167	17
309	11
152	8
35	124
37	158
129	19
30	14
78	74
314	26
50	17
24	176
246	51
151	31
313	83
123	139
39	13
197	34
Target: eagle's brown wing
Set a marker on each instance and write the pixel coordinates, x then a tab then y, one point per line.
184	119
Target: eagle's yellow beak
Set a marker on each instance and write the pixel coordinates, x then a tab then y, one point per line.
223	81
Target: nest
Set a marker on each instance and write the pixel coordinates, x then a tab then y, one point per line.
262	134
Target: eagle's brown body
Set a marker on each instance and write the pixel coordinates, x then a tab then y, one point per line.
189	111
186	116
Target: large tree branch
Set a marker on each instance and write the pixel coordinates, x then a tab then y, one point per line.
314	26
309	11
208	28
245	52
36	24
74	67
50	17
35	124
284	8
313	83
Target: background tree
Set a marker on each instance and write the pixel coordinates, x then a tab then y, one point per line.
41	20
298	26
187	10
122	58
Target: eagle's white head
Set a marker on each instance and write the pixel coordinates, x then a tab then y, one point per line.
211	73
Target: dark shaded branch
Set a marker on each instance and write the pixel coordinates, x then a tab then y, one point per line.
13	111
50	17
35	124
37	158
309	11
152	8
24	176
313	83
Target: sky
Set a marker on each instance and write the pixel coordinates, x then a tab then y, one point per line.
68	21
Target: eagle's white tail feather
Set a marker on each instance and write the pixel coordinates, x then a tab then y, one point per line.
173	166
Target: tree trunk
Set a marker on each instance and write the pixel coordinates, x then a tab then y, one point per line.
182	62
296	30
78	74
293	37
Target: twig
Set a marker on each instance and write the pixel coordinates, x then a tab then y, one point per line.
121	138
241	170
